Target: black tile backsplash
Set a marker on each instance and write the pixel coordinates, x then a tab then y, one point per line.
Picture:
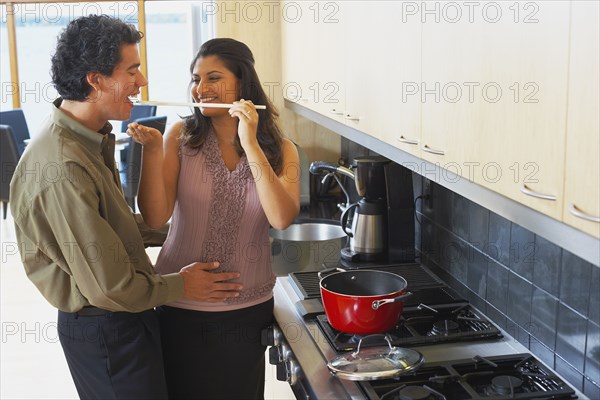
479	220
575	290
592	353
546	271
477	273
571	336
522	252
545	297
544	310
590	389
594	306
443	201
497	286
499	238
458	260
543	353
518	333
460	217
568	372
520	293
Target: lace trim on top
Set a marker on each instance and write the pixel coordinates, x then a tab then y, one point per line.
254	293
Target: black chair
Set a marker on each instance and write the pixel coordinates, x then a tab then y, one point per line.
16	120
9	157
131	168
139	111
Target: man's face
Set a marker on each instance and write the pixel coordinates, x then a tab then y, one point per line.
125	81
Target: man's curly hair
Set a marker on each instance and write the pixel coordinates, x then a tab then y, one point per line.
89	44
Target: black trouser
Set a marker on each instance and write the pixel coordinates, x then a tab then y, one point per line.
215	355
114	355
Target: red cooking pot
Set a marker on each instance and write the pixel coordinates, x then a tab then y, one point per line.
363	301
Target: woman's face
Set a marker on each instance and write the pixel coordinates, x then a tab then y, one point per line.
212	82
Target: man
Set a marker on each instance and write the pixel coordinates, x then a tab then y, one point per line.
78	239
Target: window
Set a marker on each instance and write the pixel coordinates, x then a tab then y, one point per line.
37	28
174	32
5	88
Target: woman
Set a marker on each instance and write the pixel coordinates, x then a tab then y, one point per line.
224	175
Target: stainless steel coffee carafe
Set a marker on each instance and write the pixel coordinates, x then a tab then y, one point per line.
368	234
368	231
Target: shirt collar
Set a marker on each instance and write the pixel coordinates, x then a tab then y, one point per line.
90	138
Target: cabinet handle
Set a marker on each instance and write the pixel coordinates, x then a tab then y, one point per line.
402	139
526	190
351	118
433	151
578	213
336	112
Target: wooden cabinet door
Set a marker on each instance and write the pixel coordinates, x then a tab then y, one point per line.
506	130
299	56
582	175
453	62
383	58
329	88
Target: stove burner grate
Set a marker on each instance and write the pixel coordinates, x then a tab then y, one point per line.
444	327
413	393
504	384
424	325
507	377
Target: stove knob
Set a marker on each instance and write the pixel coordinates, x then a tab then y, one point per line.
270	336
275	355
282	371
286	353
288	371
294	372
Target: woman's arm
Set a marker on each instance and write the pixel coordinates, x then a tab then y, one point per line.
160	171
279	195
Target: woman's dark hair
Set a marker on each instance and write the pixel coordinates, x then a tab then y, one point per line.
89	44
238	59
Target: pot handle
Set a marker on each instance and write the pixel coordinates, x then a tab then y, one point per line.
378	303
328	271
385	336
344	219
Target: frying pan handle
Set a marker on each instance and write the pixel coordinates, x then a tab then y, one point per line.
378	303
328	271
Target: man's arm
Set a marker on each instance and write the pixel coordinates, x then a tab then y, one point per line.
151	237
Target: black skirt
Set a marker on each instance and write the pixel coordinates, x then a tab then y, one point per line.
215	355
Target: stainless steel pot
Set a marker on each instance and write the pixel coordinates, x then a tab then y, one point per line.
306	245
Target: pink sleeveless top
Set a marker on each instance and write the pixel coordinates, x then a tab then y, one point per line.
218	217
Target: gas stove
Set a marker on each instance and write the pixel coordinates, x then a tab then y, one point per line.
459	344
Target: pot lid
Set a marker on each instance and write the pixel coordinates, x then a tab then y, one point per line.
375	362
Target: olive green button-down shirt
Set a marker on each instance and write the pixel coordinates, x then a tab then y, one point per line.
79	242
